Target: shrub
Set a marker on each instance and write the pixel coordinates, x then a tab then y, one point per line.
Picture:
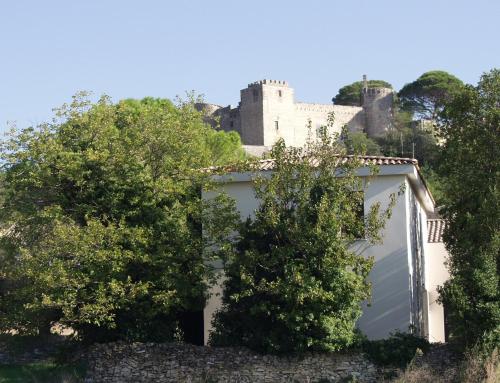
482	362
397	350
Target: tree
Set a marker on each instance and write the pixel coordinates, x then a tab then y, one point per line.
360	143
224	147
471	170
426	96
101	219
293	283
410	142
351	94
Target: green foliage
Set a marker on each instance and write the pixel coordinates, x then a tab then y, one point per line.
426	96
434	182
101	215
224	147
351	94
471	169
397	350
45	372
412	143
402	119
293	283
482	361
414	139
361	144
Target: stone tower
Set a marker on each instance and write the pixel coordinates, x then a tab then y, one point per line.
377	106
263	108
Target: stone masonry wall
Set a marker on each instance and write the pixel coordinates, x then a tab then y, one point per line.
147	362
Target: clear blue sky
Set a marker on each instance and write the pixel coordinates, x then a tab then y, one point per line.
51	49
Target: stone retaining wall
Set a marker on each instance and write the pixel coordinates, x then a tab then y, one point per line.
146	362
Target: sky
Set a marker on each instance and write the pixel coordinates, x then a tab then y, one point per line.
51	49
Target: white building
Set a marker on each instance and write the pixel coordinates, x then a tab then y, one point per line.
409	264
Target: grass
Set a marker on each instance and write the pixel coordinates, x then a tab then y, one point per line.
45	372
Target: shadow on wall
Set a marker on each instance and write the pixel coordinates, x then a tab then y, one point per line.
390	297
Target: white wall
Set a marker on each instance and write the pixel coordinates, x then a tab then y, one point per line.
436	275
389	308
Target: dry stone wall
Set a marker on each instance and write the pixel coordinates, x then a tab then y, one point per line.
147	362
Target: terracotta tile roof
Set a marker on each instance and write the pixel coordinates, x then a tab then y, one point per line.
365	160
268	164
435	229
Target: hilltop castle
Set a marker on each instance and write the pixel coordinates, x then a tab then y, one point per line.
268	111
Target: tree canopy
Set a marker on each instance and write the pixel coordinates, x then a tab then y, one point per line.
470	168
101	214
426	96
351	94
412	143
359	143
293	283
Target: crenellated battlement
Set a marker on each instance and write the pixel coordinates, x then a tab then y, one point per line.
377	92
269	82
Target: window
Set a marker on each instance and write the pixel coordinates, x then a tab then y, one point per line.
279	93
231	124
255	95
276	125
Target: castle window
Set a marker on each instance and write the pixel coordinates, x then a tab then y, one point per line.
255	95
276	125
280	93
231	124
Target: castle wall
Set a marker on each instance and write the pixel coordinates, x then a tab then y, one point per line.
296	122
268	111
308	118
230	119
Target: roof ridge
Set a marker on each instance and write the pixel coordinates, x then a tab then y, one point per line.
413	160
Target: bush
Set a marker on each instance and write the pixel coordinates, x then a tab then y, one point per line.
397	350
482	362
42	373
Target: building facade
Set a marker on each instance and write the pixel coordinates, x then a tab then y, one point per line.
408	264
